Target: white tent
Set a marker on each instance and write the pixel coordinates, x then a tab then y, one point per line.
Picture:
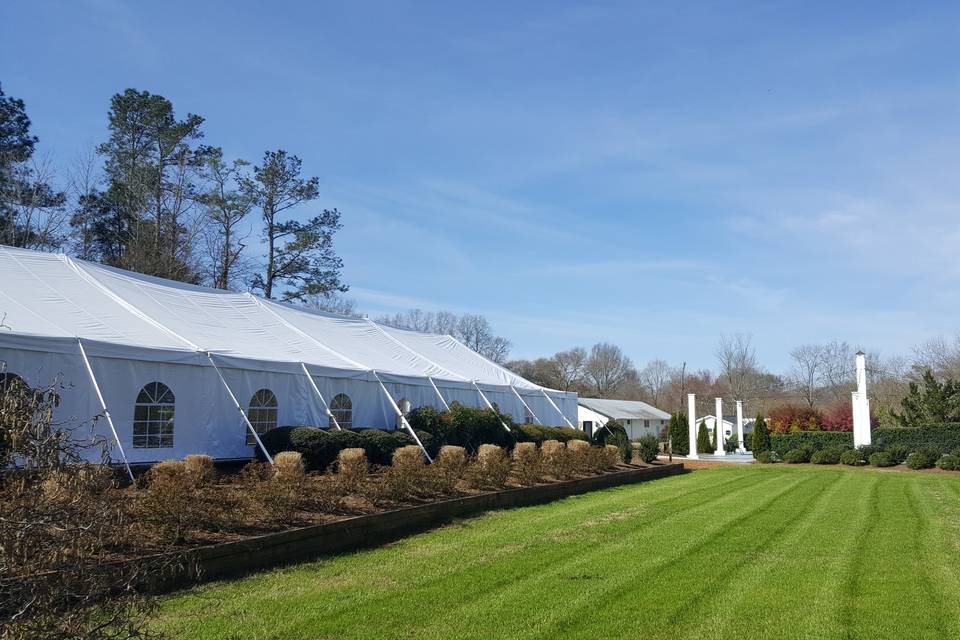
228	364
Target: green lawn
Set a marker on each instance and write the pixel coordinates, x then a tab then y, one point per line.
737	552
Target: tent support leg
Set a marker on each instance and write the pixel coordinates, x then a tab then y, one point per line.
520	398
243	413
439	395
320	395
490	406
403	418
554	405
103	405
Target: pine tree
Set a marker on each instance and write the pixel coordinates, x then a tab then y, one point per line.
760	441
679	433
713	438
703	439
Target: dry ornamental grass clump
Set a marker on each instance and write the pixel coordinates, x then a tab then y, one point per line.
578	453
448	469
526	463
490	469
406	477
289	464
201	466
556	461
611	454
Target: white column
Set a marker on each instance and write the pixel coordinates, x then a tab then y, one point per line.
740	447
718	428
861	405
692	425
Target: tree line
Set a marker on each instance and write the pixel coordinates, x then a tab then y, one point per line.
817	383
154	198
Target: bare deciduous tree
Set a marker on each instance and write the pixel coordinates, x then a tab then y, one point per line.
809	368
655	378
738	364
570	368
607	368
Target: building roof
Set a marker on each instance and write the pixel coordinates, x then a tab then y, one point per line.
624	409
49	301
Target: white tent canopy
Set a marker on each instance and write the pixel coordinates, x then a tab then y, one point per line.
138	329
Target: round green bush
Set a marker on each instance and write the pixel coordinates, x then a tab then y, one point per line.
767	457
898	453
922	459
797	456
620	440
830	455
852	458
949	462
882	459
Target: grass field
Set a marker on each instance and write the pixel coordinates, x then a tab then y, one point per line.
737	552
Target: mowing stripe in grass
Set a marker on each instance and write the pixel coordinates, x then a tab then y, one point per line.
504	576
738	532
759	552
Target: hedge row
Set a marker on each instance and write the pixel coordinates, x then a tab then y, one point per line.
939	437
539	434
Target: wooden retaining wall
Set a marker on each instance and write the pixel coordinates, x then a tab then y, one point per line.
275	549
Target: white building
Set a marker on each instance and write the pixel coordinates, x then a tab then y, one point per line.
638	418
729	425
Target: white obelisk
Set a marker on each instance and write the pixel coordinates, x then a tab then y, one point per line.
740	447
692	425
718	428
861	405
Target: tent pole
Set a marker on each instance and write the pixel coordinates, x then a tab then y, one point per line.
103	405
490	406
439	395
243	413
402	417
320	395
519	397
554	405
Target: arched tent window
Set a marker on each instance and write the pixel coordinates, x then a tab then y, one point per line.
404	406
342	409
262	413
153	417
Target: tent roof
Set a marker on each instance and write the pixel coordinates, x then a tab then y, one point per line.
45	295
624	409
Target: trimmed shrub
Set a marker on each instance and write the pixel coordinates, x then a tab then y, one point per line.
526	463
941	438
768	457
648	449
898	453
470	428
611	454
448	468
538	433
405	477
427	419
352	471
579	453
201	466
316	446
830	455
604	433
622	442
377	443
556	461
760	438
852	458
881	459
288	463
490	468
810	440
922	459
176	501
797	456
949	462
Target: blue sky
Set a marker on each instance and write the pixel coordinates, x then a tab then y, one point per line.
653	175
